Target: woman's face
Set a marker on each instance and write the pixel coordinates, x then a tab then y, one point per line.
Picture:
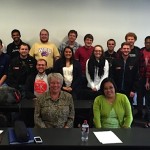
68	53
55	85
109	90
98	52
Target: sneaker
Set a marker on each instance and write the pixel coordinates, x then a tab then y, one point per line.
147	125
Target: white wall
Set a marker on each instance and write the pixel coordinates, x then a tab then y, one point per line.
103	18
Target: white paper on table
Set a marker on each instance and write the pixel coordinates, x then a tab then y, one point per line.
1	131
107	137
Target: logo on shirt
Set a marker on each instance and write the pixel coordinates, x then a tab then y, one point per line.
40	86
45	51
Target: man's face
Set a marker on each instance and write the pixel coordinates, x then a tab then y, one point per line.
131	40
147	44
72	37
44	37
88	42
111	45
126	49
41	66
24	51
16	36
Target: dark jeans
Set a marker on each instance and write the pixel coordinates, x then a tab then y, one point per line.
147	105
84	82
88	94
127	93
141	93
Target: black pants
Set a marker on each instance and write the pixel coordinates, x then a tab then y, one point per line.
141	93
88	94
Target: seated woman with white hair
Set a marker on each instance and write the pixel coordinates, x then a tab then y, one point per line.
55	108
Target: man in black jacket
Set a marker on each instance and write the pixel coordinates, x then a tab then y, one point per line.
20	68
124	72
13	48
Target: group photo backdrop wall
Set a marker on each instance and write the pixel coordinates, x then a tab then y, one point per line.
104	19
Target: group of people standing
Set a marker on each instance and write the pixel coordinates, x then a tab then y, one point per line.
54	77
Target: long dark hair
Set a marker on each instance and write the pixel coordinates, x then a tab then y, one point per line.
94	64
63	58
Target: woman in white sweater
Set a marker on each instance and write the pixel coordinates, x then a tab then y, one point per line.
97	69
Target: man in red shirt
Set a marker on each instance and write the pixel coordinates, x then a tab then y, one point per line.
83	53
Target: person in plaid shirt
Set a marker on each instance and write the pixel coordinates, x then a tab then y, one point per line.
144	80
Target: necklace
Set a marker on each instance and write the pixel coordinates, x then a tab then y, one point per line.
41	76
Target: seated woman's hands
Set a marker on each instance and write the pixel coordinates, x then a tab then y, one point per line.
68	89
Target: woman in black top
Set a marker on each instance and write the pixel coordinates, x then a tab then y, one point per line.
71	71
